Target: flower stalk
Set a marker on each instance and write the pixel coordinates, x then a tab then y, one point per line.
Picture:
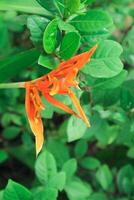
12	85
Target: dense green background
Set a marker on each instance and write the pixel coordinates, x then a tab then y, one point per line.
77	163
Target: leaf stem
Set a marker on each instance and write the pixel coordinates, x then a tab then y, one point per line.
12	85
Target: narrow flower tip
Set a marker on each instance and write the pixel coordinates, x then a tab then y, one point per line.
93	49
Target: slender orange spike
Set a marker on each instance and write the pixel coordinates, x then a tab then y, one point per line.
78	107
33	106
59	104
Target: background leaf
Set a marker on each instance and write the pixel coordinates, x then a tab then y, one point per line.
105	62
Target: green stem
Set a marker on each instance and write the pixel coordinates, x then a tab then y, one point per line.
12	85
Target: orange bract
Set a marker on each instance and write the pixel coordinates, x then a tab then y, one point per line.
57	81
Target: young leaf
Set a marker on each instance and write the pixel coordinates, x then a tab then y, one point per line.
16	191
105	62
45	166
50	36
69	45
92	21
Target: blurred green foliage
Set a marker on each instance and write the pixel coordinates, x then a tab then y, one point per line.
77	163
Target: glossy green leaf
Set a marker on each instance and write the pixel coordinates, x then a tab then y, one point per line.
50	36
47	61
69	45
15	64
92	21
105	62
16	191
45	166
37	25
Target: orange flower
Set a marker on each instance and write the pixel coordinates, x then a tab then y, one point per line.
57	81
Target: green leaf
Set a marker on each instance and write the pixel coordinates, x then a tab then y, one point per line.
46	193
104	176
3	156
11	132
27	6
45	167
57	181
1	194
16	191
59	150
72	6
75	129
125	179
64	26
81	148
110	83
92	21
130	152
14	64
69	45
98	196
128	47
70	168
37	25
105	62
77	189
47	61
20	153
90	163
50	5
50	36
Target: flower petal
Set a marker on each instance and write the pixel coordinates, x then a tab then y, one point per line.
33	108
78	107
59	104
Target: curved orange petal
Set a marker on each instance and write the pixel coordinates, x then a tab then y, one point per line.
59	104
78	107
33	105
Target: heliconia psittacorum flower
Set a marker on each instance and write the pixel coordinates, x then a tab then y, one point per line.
58	81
